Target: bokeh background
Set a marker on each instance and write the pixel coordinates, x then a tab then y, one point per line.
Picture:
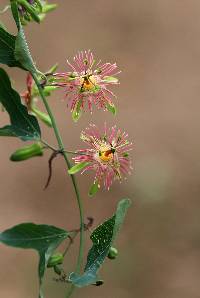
157	46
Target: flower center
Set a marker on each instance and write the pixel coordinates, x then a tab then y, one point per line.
106	154
88	83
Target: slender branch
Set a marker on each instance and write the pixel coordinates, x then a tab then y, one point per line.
47	145
75	232
61	147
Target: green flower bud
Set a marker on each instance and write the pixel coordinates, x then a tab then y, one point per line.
55	259
57	270
113	252
27	152
30	10
42	116
49	7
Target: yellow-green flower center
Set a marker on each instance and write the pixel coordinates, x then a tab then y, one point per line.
88	83
105	154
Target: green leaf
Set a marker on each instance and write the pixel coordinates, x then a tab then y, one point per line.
23	125
7	131
111	108
7	48
93	189
102	238
78	167
43	238
21	52
14	50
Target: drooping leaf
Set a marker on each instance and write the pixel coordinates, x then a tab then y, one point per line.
78	167
43	238
14	50
102	238
7	48
23	125
21	52
7	131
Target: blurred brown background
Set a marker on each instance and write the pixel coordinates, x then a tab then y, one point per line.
157	46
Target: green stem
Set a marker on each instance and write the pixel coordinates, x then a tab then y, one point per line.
61	147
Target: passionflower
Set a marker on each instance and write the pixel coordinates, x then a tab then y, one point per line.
87	83
107	155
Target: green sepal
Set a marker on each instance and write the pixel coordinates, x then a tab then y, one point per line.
111	108
78	167
42	116
77	111
94	189
27	152
102	238
110	79
53	68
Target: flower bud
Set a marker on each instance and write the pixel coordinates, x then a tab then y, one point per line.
27	152
57	270
113	252
55	259
42	116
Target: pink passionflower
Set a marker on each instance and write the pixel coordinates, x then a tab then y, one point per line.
107	154
87	82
